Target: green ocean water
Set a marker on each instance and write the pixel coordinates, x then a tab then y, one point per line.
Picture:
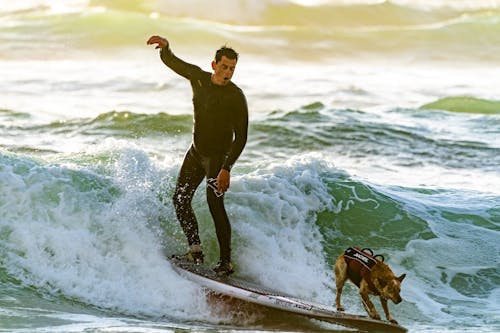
372	124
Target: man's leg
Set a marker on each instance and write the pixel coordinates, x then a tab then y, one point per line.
219	215
190	177
222	224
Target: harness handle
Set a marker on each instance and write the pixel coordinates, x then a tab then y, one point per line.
367	250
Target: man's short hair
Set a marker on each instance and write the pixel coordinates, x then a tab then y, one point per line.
228	52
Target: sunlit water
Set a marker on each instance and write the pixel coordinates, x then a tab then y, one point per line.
371	123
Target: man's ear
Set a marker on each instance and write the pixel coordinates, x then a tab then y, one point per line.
213	64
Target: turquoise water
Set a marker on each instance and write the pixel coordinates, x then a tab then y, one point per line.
371	124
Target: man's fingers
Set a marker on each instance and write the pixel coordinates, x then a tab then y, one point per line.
157	40
222	186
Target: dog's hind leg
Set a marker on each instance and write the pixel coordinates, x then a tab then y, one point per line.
340	269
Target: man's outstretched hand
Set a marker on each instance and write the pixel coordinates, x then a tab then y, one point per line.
162	42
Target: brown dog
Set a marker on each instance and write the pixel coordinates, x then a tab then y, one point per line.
372	276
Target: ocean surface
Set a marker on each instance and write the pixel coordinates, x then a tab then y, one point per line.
372	124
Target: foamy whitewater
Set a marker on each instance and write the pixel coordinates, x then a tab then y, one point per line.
372	124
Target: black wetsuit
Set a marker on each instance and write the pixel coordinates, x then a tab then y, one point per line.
219	136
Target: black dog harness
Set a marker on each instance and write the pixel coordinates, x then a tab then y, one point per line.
359	263
363	257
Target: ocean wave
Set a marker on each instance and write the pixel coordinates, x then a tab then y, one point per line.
121	124
9	115
465	104
359	134
277	11
129	124
285	27
97	235
65	234
312	128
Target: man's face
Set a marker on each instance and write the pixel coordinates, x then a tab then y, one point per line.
223	70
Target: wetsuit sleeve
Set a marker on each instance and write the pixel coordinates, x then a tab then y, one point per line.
179	66
240	134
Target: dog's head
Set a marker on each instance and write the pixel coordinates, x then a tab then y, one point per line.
392	289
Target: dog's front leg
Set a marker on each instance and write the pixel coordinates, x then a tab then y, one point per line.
364	291
386	310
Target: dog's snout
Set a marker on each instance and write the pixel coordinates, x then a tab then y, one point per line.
398	300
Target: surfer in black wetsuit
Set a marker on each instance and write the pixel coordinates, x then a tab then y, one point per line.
219	136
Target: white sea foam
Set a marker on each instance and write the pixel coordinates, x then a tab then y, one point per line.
100	253
107	253
281	238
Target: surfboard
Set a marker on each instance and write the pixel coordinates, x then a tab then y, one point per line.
253	293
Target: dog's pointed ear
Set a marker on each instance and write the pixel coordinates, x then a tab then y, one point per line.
401	278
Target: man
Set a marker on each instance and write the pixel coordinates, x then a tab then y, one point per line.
219	136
